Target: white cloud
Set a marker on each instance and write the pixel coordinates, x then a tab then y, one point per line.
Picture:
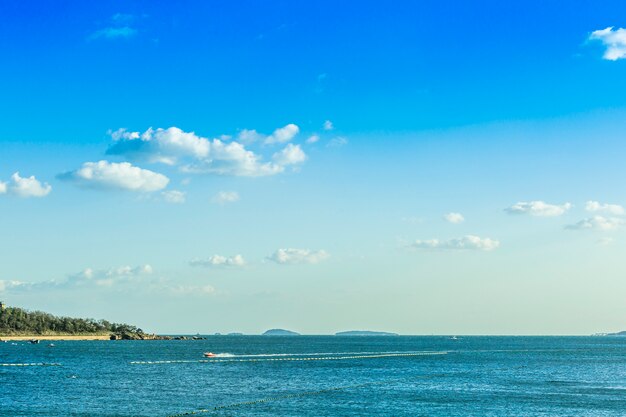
614	40
298	256
159	145
174	196
111	33
538	208
283	134
328	125
187	290
290	155
233	159
113	175
224	197
454	218
313	139
597	223
24	187
468	242
595	206
219	260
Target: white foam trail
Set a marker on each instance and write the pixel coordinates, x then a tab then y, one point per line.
270	355
307	358
30	364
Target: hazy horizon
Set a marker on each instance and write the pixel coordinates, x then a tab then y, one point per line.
423	169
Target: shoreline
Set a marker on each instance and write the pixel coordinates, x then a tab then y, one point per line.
55	337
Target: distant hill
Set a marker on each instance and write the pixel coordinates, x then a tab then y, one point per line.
623	333
280	332
364	333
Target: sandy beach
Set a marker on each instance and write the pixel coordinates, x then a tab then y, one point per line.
60	337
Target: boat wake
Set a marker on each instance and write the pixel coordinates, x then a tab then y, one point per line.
301	357
278	355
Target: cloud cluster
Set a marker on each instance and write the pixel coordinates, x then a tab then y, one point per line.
469	242
600	223
87	278
124	279
195	154
298	256
113	175
25	187
538	208
613	40
219	260
595	206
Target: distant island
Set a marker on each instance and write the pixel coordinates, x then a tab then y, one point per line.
280	332
18	323
364	333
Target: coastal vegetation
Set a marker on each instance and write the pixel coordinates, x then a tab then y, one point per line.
16	321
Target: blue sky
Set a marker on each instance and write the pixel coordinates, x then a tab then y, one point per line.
429	168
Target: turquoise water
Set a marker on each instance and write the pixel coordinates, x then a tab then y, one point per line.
341	376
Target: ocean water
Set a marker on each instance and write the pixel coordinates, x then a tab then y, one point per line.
317	376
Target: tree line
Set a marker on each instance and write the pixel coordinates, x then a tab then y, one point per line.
15	320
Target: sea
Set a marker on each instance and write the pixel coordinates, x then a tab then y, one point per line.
316	376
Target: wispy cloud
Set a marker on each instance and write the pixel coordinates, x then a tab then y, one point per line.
119	28
313	139
113	175
538	208
328	125
219	260
613	40
337	142
454	218
124	32
298	256
225	197
174	196
469	242
25	187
